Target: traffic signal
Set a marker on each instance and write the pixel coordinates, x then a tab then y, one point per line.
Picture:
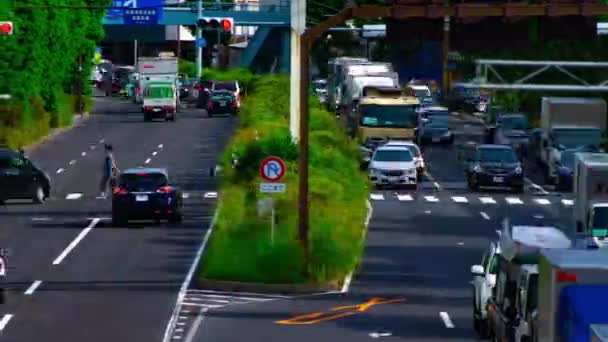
6	28
225	24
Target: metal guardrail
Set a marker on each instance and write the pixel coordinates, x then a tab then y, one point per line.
282	6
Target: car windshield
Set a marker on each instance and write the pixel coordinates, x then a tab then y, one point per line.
159	92
438	122
222	95
497	155
393	156
142	181
574	138
399	116
225	86
514	122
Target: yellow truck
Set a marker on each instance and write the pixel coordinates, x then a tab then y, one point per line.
382	114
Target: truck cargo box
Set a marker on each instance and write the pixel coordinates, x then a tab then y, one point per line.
157	65
590	189
573	111
582	306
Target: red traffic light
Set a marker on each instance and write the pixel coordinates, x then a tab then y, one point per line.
6	27
226	25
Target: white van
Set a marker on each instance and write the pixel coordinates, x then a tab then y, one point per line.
159	101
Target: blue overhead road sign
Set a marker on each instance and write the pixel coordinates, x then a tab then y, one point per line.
201	43
141	16
117	15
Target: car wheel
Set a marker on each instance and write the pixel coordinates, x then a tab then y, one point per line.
38	194
147	117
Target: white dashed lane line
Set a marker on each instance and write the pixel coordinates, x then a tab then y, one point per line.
83	154
161	146
30	290
210	194
484	215
4	321
446	320
437	185
60	171
75	242
154	153
148	161
72	162
73	196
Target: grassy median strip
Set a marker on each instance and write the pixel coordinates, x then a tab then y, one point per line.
240	248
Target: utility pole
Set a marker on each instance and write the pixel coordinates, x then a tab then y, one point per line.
79	86
199	35
298	25
446	53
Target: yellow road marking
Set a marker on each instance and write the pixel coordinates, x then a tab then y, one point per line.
348	310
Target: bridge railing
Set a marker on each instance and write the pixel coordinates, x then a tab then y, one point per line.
279	6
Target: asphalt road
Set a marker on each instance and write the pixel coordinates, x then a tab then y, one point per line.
413	284
73	276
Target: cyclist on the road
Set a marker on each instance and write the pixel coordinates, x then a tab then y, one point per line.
110	171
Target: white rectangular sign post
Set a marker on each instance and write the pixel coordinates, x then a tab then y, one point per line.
272	170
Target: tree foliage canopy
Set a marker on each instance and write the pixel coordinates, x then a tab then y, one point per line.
39	63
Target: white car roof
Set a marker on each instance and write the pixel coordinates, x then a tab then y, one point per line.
401	143
393	148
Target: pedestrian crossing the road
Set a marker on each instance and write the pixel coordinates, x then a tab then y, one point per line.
471	199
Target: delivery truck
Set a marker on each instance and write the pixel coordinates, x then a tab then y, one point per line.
158	80
569	124
591	191
336	70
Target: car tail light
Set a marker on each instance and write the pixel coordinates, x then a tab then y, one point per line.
147	108
197	88
233	104
210	105
120	191
566	277
165	189
169	108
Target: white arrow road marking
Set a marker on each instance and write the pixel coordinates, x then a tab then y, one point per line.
4	321
405	197
460	199
568	202
487	200
76	241
30	290
513	200
542	201
73	196
446	320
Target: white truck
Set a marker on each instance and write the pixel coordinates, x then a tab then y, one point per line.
484	281
569	124
336	71
591	191
570	296
509	316
158	82
356	83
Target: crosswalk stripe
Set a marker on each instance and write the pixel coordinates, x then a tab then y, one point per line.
513	200
377	197
405	197
542	201
73	196
487	200
431	199
460	199
567	202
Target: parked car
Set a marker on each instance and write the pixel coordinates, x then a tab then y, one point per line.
20	178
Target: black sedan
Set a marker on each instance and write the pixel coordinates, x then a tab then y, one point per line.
145	194
21	179
222	102
494	166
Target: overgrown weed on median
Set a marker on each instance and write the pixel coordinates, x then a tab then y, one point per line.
240	248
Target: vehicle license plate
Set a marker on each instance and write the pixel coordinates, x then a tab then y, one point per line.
436	139
157	109
222	103
141	198
499	179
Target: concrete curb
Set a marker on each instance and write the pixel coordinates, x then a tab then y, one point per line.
285	289
76	122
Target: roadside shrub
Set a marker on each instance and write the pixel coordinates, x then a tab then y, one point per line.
241	248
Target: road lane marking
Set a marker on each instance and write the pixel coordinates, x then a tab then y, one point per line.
102	141
567	202
4	321
83	154
161	146
487	200
484	215
76	241
536	186
446	320
380	334
542	201
431	199
427	212
60	170
196	325
336	312
30	290
185	195
72	162
513	200
210	194
202	305
73	196
154	153
460	199
437	185
538	216
148	161
406	197
41	219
